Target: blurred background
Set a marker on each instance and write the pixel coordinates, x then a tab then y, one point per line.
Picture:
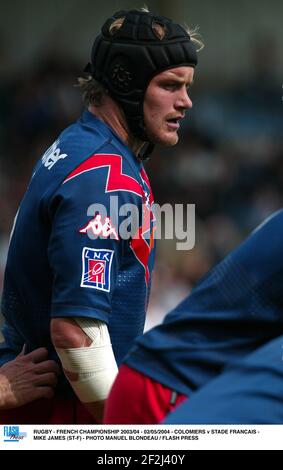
229	160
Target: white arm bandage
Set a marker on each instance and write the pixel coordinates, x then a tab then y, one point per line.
95	364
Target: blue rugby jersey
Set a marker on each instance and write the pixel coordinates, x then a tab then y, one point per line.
236	307
249	391
66	259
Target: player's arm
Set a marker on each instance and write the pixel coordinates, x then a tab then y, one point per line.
84	348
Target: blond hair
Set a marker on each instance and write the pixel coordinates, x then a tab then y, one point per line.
160	30
92	90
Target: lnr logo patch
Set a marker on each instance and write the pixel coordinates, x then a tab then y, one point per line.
96	268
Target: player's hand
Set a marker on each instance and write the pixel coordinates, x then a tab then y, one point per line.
27	378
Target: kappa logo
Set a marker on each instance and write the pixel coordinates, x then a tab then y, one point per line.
96	268
52	155
99	227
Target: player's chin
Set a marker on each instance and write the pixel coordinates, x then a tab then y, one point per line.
167	139
170	139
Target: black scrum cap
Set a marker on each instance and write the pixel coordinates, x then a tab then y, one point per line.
125	60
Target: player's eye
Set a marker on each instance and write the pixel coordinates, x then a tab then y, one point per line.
171	86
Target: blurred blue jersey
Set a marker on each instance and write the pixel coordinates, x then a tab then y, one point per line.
248	392
65	260
235	308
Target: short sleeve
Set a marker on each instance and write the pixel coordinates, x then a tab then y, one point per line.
85	249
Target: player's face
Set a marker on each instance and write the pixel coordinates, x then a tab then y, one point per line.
166	101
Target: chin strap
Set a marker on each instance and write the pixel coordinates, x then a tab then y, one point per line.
145	151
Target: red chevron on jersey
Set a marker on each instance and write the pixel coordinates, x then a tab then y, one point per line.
116	179
141	248
143	241
141	251
148	215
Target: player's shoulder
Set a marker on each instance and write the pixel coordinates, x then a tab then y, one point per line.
91	144
83	147
83	140
76	144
